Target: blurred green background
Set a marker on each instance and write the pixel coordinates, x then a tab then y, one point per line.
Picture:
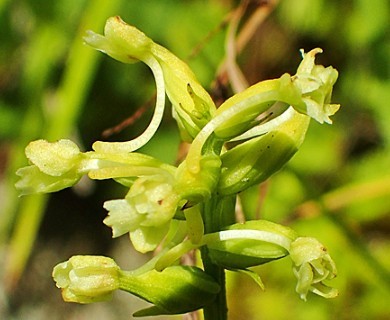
337	188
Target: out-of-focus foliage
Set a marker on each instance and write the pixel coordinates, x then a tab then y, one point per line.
337	187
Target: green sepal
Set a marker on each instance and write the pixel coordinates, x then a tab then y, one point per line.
230	260
34	180
246	252
121	41
242	109
257	159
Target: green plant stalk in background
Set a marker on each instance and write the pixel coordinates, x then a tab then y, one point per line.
71	94
199	194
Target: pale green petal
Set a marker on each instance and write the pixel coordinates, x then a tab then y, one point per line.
122	218
147	239
55	158
305	276
324	291
32	180
121	41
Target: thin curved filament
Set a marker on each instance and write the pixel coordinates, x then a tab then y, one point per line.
144	138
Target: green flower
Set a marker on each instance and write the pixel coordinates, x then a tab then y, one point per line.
55	167
176	290
244	245
145	213
315	82
59	165
192	105
257	242
312	266
308	92
87	279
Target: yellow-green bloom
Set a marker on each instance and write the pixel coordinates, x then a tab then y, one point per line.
59	165
308	92
145	213
87	279
315	82
256	242
55	166
312	266
244	245
175	290
192	105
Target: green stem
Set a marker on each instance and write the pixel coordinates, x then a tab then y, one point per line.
218	309
218	212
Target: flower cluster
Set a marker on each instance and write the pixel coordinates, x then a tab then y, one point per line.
231	150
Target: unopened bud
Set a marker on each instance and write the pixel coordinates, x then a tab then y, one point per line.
87	279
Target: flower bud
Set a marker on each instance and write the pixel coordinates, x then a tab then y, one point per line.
175	290
87	279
